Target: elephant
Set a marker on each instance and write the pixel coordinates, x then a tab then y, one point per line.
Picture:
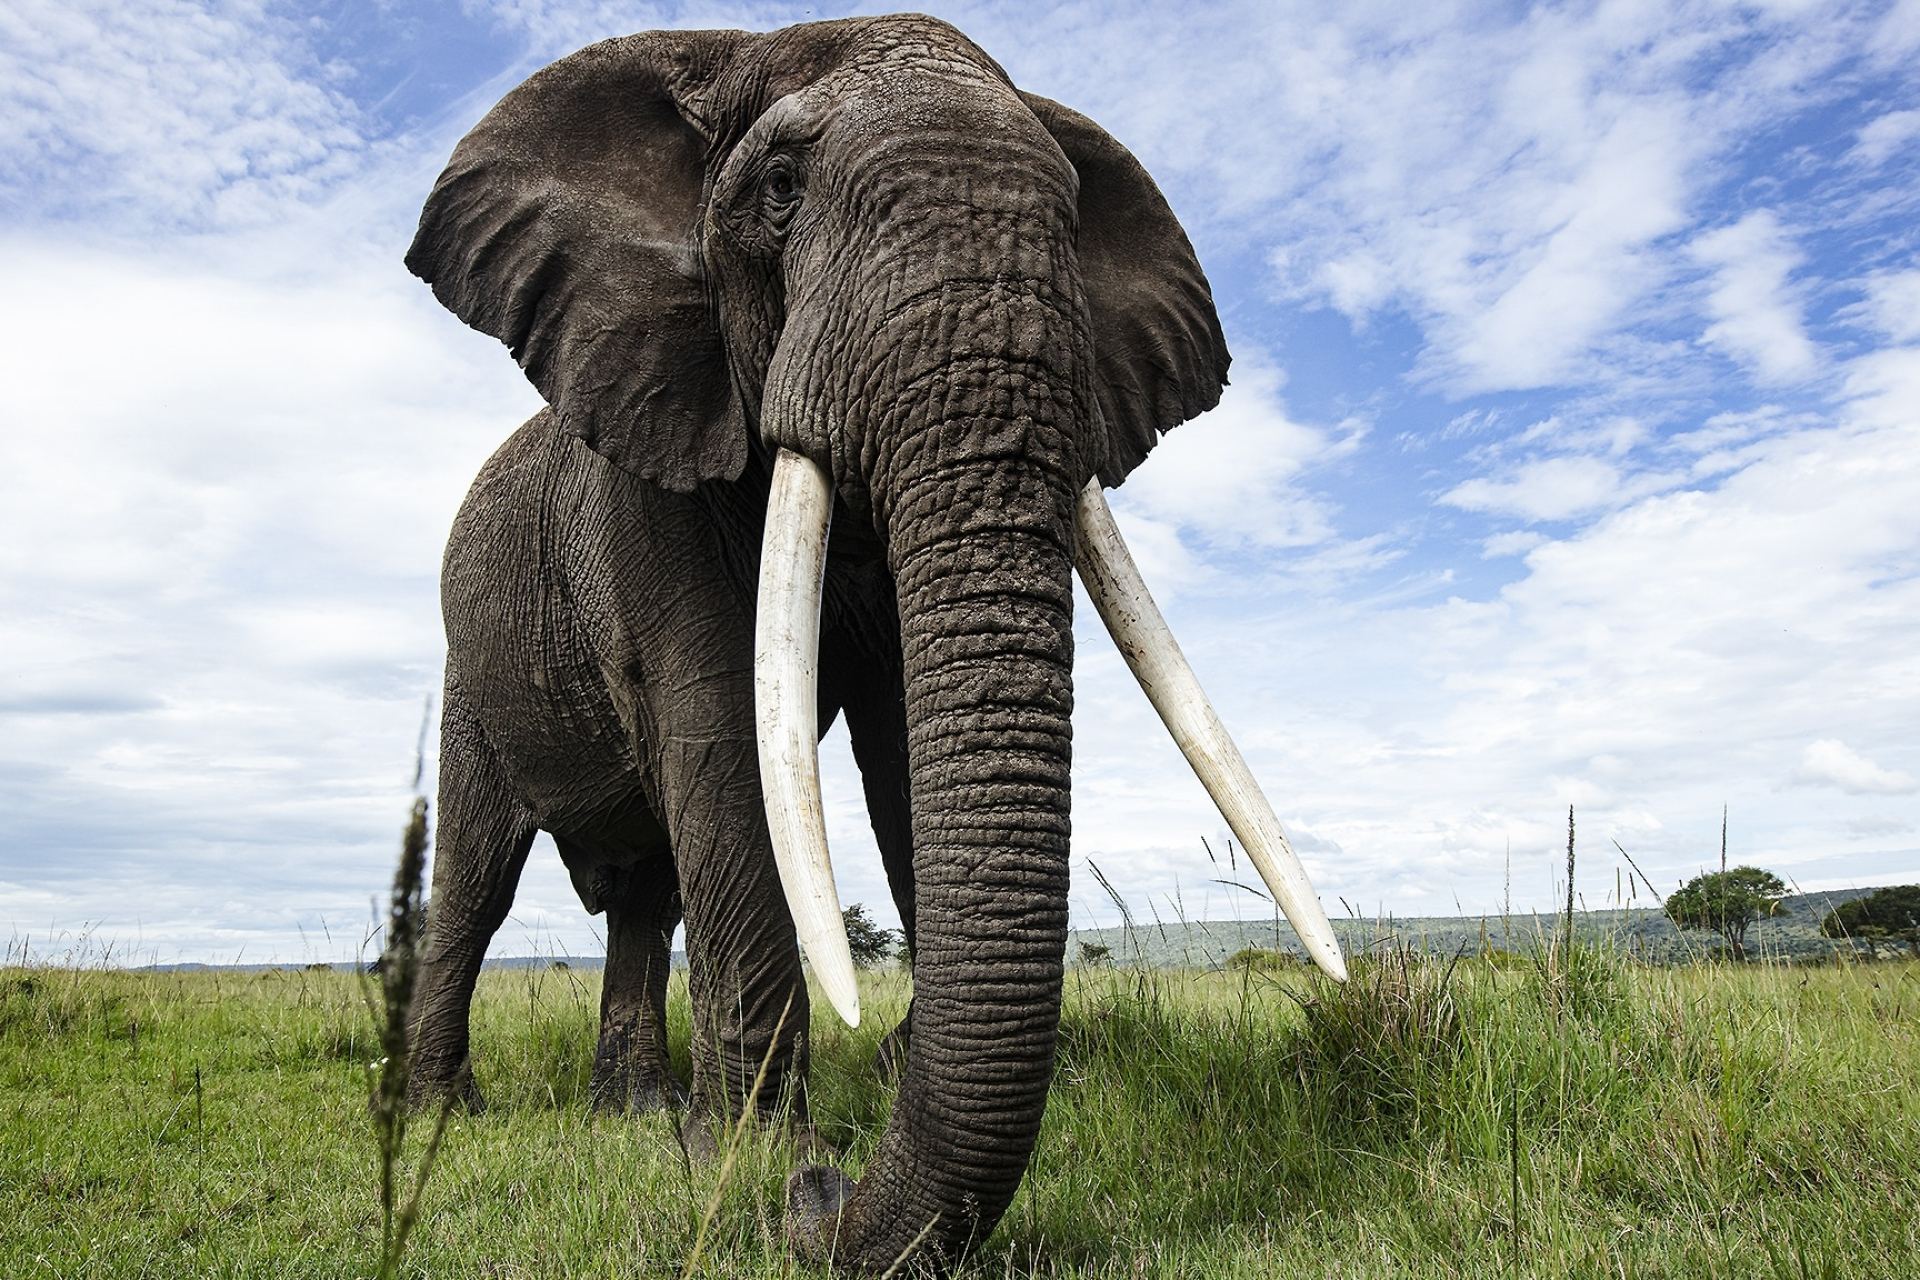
840	337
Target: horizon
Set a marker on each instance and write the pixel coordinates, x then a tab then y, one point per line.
81	950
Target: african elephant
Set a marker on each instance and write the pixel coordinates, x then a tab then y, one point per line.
840	336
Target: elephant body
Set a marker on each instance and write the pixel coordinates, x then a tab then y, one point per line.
856	248
599	671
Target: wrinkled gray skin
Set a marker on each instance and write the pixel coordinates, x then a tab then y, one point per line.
858	241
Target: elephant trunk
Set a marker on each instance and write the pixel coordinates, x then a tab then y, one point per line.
986	611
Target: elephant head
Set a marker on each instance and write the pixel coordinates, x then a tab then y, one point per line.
959	309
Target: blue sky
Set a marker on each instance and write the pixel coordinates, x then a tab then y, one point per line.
1572	456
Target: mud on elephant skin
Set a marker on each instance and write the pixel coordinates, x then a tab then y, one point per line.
840	336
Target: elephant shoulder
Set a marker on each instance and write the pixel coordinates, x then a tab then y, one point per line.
517	470
501	554
529	481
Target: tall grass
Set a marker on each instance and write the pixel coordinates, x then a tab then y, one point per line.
1575	1115
388	1076
1492	1117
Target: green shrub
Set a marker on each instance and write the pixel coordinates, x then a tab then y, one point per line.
1892	913
1582	981
1095	956
1262	960
1378	1046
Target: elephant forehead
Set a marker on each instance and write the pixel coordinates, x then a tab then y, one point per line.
836	59
926	100
890	43
949	150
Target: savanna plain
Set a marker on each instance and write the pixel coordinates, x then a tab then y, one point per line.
1571	1112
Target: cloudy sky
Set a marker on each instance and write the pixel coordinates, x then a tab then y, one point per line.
1572	455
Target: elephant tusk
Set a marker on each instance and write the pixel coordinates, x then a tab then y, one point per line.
1142	636
786	649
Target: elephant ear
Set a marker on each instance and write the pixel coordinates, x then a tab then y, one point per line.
566	226
1159	355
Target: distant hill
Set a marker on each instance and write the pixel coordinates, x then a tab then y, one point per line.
1794	933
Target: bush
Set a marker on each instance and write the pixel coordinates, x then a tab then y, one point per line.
1581	981
1886	913
1095	956
1378	1046
1261	960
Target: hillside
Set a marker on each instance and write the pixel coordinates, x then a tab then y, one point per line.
1793	934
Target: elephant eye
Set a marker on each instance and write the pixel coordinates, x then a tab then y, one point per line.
781	189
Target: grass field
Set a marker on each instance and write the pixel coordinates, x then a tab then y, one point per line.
1568	1117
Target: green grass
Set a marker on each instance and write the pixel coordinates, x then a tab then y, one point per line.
1582	1117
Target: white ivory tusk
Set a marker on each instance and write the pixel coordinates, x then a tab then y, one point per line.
1134	621
786	681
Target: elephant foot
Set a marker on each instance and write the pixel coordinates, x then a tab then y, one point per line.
630	1071
627	1092
815	1195
429	1089
702	1138
705	1138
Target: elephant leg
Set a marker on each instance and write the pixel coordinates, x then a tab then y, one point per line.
686	657
877	728
749	995
631	1071
480	847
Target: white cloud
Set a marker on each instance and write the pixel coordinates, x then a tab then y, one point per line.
1897	33
1882	137
1830	762
1756	319
1515	543
557	27
1893	305
1545	489
1514	185
1588	265
1228	477
1871	827
1358	283
222	499
1728	431
1677	654
164	110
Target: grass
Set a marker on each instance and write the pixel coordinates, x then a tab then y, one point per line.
1570	1115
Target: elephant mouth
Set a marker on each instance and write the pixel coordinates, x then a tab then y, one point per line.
786	645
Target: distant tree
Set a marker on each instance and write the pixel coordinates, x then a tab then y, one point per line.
1885	913
870	944
1094	956
1726	902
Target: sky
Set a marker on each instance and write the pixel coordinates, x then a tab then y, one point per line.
1572	455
